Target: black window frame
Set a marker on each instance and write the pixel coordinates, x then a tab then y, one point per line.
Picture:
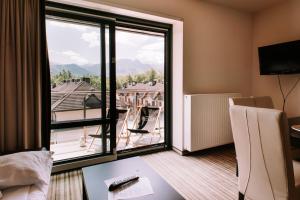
88	15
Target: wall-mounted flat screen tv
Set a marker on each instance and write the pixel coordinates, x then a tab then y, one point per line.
281	58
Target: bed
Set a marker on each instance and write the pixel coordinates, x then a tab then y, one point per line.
25	175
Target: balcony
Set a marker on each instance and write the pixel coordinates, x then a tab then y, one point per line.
77	100
67	143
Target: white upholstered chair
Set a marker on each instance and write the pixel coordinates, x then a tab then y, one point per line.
262	102
259	102
266	170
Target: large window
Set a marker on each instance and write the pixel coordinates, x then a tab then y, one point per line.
109	82
140	85
80	64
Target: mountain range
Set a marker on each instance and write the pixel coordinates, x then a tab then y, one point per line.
123	67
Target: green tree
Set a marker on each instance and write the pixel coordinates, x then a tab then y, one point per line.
61	76
69	74
95	82
129	79
151	75
140	78
118	84
160	77
66	74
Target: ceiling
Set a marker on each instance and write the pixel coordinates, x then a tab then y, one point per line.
247	5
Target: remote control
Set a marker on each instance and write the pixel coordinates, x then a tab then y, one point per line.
119	183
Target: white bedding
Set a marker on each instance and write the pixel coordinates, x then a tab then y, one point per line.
16	193
36	194
25	168
30	168
23	193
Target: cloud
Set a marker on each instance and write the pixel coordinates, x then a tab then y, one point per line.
62	24
66	57
151	57
157	46
93	38
152	53
130	39
147	49
75	57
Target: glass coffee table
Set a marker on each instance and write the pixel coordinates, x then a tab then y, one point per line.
94	187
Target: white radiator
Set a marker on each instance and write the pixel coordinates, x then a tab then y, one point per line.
206	121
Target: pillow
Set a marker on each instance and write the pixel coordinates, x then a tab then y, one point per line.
25	168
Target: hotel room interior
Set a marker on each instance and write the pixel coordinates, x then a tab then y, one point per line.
149	99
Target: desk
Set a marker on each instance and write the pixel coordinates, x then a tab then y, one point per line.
94	176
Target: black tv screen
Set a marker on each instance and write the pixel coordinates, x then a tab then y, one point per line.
281	58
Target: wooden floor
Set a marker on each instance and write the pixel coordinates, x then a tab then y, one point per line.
206	175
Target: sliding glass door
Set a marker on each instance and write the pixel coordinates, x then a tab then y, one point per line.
82	73
110	83
140	76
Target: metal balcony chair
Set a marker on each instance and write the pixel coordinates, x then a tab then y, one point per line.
147	121
122	124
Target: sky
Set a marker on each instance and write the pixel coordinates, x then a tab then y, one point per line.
70	43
